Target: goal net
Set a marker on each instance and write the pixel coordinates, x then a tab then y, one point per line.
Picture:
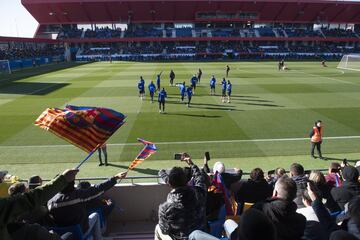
5	67
350	62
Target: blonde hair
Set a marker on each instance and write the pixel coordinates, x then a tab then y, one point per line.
317	177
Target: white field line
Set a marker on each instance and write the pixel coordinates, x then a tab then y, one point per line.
334	79
194	142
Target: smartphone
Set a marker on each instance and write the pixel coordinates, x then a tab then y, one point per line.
178	156
207	156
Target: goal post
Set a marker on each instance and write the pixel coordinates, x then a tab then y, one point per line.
5	67
350	62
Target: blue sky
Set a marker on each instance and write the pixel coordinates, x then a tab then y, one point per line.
15	20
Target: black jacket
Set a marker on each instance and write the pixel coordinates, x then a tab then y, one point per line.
345	193
289	224
301	184
253	191
184	209
70	208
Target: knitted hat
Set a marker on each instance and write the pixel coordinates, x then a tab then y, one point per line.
350	174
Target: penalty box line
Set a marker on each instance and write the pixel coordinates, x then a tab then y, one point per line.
195	142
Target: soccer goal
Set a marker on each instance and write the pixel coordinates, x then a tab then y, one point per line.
5	67
350	62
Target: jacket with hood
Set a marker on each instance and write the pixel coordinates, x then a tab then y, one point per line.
184	210
289	224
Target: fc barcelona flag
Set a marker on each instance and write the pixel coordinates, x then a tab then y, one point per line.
146	152
85	127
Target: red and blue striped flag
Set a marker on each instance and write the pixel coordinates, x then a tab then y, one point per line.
146	152
85	127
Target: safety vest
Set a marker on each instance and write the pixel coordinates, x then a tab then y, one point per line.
317	137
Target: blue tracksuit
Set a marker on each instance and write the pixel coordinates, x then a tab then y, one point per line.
212	83
229	88
162	95
223	87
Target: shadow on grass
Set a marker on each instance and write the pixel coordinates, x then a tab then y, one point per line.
31	88
341	159
194	115
30	72
147	171
262	104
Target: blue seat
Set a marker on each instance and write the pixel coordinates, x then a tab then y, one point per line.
75	230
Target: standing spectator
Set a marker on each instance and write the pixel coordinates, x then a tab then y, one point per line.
354	213
316	135
281	210
102	149
297	174
184	210
349	189
68	207
161	99
34	182
172	77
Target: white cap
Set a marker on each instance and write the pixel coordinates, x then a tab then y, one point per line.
219	167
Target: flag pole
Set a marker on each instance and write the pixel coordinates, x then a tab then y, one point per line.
88	156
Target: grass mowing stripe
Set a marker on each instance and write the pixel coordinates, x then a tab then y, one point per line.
190	142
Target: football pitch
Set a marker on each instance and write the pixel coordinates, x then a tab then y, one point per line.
266	124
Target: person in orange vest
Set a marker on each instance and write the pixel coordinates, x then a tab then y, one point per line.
316	138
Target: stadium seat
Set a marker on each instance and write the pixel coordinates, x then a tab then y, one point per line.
75	230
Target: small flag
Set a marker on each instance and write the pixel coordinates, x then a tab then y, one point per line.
85	127
146	152
230	205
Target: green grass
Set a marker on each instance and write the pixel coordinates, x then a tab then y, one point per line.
266	104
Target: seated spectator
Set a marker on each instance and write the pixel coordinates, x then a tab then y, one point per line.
105	204
17	188
281	210
184	210
68	207
307	211
298	175
215	197
279	172
12	207
357	165
35	181
349	189
353	224
324	190
254	189
333	177
4	186
342	235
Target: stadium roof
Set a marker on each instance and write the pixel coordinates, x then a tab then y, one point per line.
124	11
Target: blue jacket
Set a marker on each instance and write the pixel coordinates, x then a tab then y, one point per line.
223	85
162	95
141	85
189	92
229	87
212	82
194	80
158	80
182	89
152	88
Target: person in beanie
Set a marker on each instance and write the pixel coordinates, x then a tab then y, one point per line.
316	135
